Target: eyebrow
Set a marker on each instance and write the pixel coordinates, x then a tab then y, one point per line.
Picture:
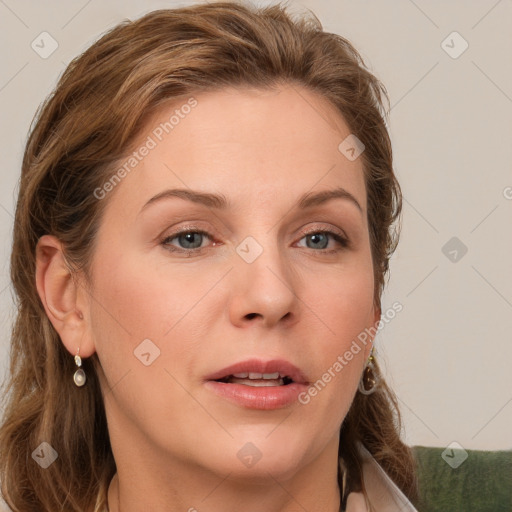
219	201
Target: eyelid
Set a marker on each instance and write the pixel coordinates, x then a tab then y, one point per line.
338	234
183	231
329	229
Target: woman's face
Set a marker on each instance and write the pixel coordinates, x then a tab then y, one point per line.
254	282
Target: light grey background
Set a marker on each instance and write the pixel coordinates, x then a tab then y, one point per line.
448	353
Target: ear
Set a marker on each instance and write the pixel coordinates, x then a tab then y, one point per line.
65	300
376	314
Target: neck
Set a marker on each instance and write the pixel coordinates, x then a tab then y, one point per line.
171	486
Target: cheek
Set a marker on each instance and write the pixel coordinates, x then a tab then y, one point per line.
140	300
343	301
343	305
135	301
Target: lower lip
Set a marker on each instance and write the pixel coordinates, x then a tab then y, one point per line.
263	398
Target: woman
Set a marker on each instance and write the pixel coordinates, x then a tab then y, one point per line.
202	234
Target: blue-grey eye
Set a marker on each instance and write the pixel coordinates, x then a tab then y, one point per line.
191	240
318	240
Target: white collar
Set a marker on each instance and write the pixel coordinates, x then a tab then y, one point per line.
383	493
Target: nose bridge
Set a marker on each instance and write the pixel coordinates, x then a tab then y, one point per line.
263	283
261	251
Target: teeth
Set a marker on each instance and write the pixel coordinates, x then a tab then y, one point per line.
257	376
262	383
268	379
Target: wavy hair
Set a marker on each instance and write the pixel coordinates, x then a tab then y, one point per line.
84	127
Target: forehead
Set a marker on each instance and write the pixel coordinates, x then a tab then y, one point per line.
251	145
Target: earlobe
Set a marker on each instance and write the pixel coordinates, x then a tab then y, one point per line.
60	295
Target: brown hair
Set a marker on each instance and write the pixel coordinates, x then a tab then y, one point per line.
88	123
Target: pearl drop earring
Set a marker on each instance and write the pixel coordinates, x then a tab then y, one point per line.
79	376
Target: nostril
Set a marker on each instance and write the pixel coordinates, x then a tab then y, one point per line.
250	316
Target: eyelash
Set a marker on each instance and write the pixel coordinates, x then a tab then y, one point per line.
342	241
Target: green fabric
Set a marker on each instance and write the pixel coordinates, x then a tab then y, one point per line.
482	483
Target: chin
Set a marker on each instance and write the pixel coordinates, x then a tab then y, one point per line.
262	453
280	465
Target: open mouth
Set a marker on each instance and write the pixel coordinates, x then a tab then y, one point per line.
257	379
259	384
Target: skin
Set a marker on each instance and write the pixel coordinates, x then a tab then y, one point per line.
174	441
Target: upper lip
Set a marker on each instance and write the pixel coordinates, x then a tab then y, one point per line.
285	368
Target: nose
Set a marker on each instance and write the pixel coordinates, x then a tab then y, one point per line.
263	291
